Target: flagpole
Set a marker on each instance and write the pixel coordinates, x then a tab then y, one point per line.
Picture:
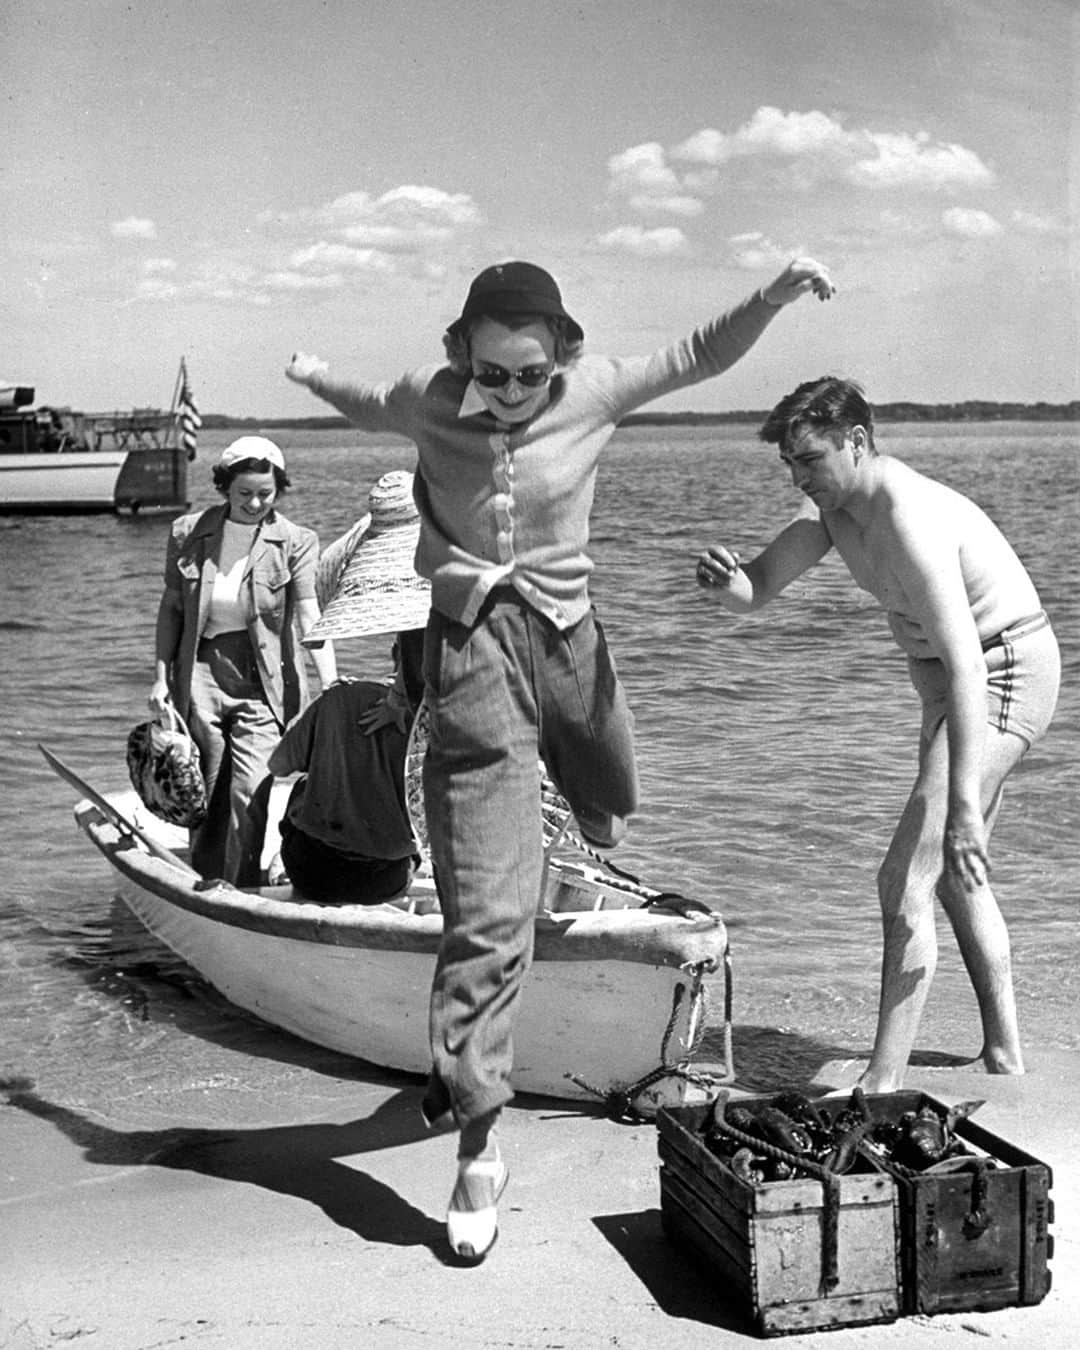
176	387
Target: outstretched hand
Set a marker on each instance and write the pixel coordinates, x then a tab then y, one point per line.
717	566
798	277
302	367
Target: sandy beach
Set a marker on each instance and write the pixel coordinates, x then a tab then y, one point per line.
267	1226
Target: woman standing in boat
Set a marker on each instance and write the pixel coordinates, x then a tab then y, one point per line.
239	583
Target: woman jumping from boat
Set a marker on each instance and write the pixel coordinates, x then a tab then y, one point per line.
239	593
509	433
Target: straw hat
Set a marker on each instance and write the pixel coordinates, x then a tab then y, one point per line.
333	560
376	589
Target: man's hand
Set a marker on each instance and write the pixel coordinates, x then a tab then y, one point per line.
967	854
303	368
798	277
717	567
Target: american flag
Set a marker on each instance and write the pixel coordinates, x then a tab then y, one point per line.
187	414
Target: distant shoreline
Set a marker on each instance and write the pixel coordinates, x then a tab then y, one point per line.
973	411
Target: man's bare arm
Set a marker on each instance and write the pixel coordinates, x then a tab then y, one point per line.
796	549
924	551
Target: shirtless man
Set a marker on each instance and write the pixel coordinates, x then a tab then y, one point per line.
983	659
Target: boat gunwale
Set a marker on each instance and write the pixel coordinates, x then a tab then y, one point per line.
626	934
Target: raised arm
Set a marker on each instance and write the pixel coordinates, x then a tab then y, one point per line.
796	549
372	407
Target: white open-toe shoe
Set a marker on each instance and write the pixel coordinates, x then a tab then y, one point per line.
472	1220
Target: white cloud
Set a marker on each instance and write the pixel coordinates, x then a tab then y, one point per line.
409	202
648	184
133	227
325	248
970	223
769	132
807	148
325	256
642	168
403	208
671	206
912	161
299	281
753	251
643	243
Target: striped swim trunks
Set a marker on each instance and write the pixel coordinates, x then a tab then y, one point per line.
1023	673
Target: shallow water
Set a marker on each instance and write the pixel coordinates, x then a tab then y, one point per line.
776	753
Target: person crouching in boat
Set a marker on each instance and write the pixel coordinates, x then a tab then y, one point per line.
346	835
239	592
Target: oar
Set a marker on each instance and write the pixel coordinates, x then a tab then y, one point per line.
112	815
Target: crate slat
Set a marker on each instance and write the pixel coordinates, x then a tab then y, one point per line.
763	1244
951	1265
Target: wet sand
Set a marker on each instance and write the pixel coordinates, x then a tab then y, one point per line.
269	1225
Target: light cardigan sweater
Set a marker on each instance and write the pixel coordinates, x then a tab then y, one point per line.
506	505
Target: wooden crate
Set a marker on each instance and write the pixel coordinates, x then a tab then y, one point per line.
766	1246
951	1263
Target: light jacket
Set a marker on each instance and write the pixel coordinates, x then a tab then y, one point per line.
280	571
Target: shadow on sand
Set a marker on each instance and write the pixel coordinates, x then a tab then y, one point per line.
769	1060
682	1288
296	1160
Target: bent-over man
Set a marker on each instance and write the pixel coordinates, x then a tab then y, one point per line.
983	659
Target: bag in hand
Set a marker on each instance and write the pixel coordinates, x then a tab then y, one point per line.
166	772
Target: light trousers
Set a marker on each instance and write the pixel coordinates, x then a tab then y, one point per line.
502	693
236	731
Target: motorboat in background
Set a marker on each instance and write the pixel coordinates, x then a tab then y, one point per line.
56	460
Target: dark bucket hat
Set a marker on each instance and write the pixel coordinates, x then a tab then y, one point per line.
515	288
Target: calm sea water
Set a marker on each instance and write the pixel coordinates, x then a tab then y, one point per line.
776	754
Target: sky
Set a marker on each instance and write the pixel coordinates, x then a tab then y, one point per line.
233	182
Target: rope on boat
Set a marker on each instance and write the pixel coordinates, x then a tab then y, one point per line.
619	1102
556	814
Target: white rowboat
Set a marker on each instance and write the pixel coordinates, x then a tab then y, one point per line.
614	1006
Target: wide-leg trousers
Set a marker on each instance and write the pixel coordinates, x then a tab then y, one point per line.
502	693
236	731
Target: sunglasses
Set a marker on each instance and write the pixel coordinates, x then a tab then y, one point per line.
529	377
